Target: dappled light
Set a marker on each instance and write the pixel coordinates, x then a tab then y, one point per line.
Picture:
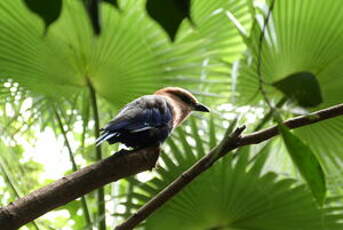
266	155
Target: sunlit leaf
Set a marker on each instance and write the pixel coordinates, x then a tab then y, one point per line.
302	39
235	193
113	2
306	162
70	57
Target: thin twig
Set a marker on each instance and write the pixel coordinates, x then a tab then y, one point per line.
74	166
14	189
265	134
259	58
269	115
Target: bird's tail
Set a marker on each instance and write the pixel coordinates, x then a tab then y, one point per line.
104	137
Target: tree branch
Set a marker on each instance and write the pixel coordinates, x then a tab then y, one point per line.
228	144
257	137
122	165
184	179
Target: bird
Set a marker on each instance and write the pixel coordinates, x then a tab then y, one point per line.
149	120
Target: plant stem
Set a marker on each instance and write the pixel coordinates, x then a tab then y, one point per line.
101	191
259	58
15	191
269	115
129	198
74	166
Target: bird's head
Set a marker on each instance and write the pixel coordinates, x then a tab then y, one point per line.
183	97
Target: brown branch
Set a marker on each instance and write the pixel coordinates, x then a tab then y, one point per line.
257	137
227	145
179	183
120	165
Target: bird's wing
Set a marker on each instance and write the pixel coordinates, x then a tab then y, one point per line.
144	113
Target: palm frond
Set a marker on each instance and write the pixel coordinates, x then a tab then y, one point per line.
236	193
299	37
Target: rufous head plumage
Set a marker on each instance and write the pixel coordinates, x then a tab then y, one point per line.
183	103
182	96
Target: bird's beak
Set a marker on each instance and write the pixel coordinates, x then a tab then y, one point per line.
201	108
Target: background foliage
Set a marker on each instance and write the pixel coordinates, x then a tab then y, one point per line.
48	68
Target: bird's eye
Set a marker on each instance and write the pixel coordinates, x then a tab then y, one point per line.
186	99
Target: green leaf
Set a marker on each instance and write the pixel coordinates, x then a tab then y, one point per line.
306	162
201	55
131	57
303	38
113	2
303	87
212	136
235	193
120	67
49	10
326	141
169	13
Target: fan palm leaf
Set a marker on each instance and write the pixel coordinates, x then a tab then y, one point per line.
300	37
236	193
